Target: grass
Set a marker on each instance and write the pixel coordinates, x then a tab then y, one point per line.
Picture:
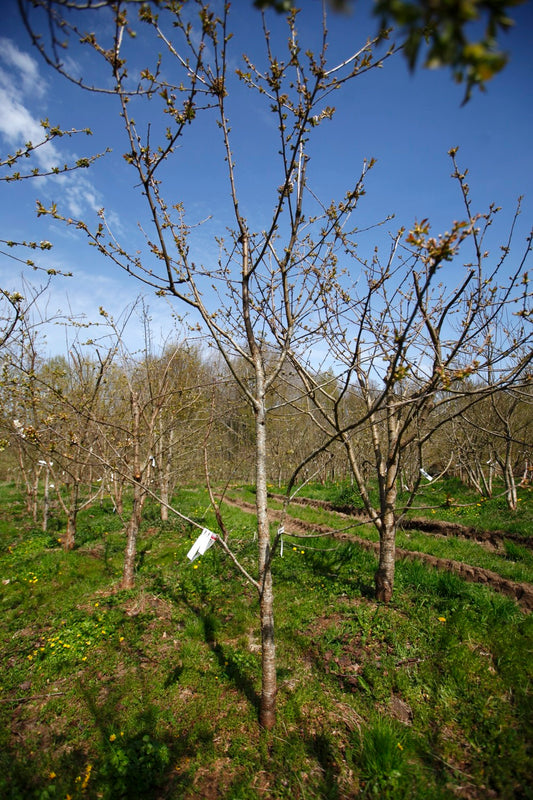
448	500
514	563
153	692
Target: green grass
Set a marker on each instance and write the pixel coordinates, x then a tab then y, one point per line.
449	500
153	692
515	562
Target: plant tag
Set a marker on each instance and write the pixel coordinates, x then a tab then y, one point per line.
202	544
281	531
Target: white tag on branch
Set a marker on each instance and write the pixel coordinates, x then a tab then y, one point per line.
425	474
202	544
281	531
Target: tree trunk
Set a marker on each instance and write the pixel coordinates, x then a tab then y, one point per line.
46	500
34	497
511	494
384	577
164	464
72	509
164	503
267	709
510	487
118	496
132	532
69	539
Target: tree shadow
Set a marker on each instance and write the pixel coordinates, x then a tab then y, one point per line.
320	748
173	676
227	661
301	746
339	565
136	762
141	557
19	778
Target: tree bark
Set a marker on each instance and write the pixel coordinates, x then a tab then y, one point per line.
165	473
510	486
139	495
267	709
384	577
132	532
46	500
70	535
71	510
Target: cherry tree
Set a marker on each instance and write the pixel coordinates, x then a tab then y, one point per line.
258	302
417	350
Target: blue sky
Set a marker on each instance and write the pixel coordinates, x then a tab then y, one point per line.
406	121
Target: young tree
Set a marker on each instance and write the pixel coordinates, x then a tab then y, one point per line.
492	439
410	349
183	418
259	302
141	442
20	411
274	290
59	399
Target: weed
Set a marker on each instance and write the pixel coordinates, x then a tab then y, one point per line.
132	766
382	760
153	692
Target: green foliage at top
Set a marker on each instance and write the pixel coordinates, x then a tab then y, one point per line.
446	32
460	34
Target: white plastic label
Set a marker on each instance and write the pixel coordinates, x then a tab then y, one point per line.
202	544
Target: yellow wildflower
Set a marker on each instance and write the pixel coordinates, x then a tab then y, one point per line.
87	776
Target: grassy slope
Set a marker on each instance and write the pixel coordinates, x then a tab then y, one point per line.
515	562
449	500
152	693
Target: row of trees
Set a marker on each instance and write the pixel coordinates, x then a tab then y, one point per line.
416	339
100	420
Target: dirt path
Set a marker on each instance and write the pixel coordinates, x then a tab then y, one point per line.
493	539
521	592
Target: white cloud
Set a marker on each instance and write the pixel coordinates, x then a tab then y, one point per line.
79	194
27	68
21	85
18	126
16	121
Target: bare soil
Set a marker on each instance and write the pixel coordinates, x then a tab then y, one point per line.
521	592
493	539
